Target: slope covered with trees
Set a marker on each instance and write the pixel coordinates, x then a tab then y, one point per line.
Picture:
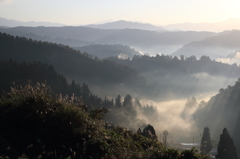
182	75
72	64
35	124
222	110
125	111
151	42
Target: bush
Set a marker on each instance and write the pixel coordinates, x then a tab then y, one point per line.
34	124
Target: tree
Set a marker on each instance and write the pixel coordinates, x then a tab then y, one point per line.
165	133
226	148
118	103
85	91
128	106
206	145
128	102
137	103
149	132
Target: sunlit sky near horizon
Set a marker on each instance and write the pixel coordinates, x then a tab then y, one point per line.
158	12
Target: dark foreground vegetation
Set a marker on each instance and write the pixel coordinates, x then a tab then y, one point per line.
34	124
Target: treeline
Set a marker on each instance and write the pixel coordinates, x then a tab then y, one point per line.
222	109
163	64
16	74
34	124
71	63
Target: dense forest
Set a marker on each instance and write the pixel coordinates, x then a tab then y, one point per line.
49	127
72	64
167	64
222	110
123	111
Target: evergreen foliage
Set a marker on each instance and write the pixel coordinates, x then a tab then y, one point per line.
34	124
149	132
206	145
71	63
167	64
118	102
226	148
226	104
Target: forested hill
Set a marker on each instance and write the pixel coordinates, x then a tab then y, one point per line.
222	110
20	74
165	64
72	64
104	51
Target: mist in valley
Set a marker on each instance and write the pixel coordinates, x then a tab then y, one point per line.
179	81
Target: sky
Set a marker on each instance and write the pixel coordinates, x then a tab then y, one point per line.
158	12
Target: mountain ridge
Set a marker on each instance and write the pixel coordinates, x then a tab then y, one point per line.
15	23
122	24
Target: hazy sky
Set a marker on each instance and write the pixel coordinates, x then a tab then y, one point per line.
160	12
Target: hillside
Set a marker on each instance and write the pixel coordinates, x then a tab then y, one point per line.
63	41
21	74
214	47
222	110
15	23
104	51
182	77
151	42
34	124
72	64
229	24
121	24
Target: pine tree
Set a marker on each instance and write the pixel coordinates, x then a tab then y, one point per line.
226	148
118	103
206	145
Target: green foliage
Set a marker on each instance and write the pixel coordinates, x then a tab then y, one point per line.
206	145
226	148
34	124
69	62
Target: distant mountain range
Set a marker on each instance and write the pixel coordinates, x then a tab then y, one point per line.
229	24
14	23
215	47
151	42
126	25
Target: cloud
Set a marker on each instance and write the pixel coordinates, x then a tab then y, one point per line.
2	2
231	59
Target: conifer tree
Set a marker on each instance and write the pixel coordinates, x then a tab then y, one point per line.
206	145
226	148
118	103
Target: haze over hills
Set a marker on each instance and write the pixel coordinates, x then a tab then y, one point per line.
229	24
121	24
151	42
15	23
215	47
72	64
104	51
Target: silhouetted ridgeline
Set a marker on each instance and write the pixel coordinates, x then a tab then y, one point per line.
72	64
16	74
115	36
167	64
